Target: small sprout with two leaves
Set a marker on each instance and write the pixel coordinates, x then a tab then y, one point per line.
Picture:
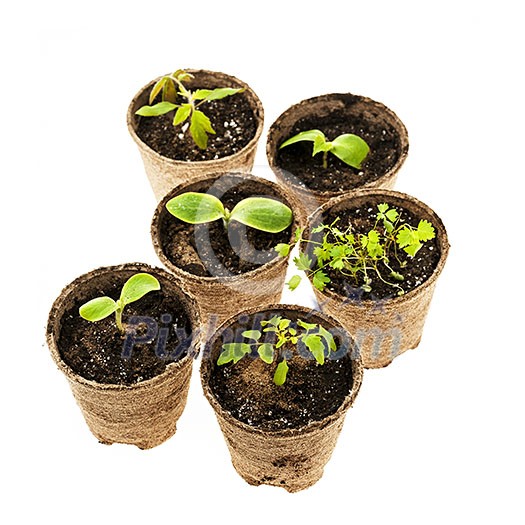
261	213
134	288
359	255
351	149
168	87
317	339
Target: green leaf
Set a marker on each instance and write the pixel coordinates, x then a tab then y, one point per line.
263	214
169	92
98	308
158	109
425	230
233	352
157	88
279	377
406	236
315	345
252	334
382	207
274	321
284	323
412	249
182	114
215	94
294	282
329	338
397	276
321	145
282	249
304	135
302	261
196	208
351	149
298	233
305	325
199	128
392	215
137	286
320	280
266	352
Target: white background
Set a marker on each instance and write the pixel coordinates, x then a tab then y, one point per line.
437	437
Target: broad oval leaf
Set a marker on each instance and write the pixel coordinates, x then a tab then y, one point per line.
137	286
316	346
351	149
282	249
169	91
294	282
329	338
280	373
196	208
311	135
199	128
97	309
182	114
236	350
263	214
158	109
266	352
252	334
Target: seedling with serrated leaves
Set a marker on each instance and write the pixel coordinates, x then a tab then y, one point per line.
134	288
317	339
169	88
351	149
261	213
357	255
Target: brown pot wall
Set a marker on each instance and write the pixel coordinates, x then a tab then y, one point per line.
385	329
322	106
164	173
144	414
293	459
219	298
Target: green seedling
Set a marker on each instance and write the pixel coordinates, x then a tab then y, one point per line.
134	288
170	87
357	255
351	149
257	212
316	338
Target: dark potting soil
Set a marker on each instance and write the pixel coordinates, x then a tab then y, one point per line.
311	391
210	250
95	350
232	118
417	271
382	138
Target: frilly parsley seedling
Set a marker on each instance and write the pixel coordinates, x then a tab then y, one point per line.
358	255
351	149
316	338
257	212
134	288
172	85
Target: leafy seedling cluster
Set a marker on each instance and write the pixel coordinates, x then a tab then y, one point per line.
169	88
357	255
316	338
351	149
257	212
134	288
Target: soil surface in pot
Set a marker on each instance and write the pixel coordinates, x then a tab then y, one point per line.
232	118
418	269
208	250
95	350
311	391
382	138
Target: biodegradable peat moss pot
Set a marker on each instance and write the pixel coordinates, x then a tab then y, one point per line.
383	323
336	114
226	271
171	156
280	435
136	399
